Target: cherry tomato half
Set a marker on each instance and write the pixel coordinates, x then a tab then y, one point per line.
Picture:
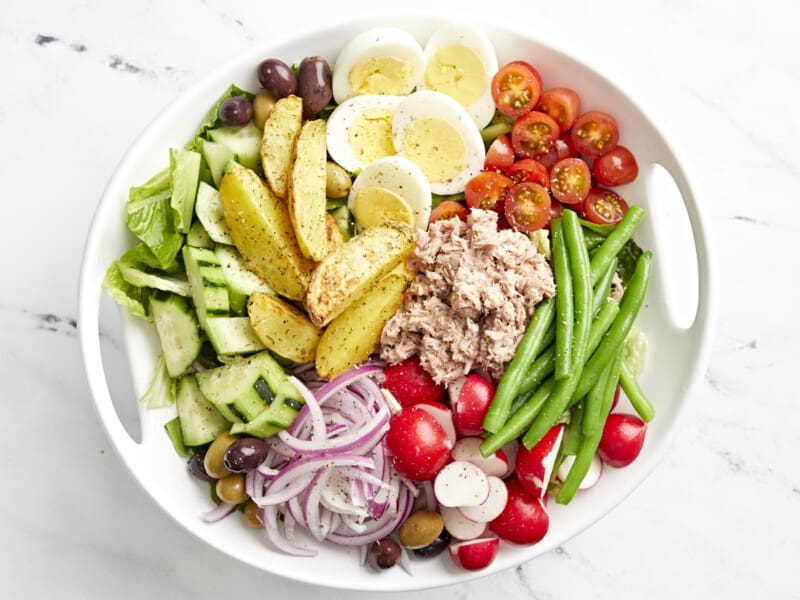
534	134
487	190
527	206
595	133
532	69
604	206
500	154
447	210
561	103
528	169
570	180
616	167
562	149
515	90
556	210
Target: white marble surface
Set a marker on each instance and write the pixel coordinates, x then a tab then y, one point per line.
720	517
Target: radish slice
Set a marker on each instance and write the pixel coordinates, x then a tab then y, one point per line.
459	526
592	476
443	415
469	449
510	451
489	509
474	554
461	484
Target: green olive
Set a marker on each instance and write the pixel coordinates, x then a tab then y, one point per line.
250	515
263	104
231	489
420	529
214	460
337	181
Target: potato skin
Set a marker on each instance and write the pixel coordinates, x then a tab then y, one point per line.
352	336
281	129
262	231
282	328
307	200
354	267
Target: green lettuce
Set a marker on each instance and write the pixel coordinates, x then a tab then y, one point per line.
161	392
134	298
211	119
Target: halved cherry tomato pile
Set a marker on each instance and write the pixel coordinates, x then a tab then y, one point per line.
555	156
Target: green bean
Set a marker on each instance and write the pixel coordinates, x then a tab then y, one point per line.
602	288
592	239
590	442
543	366
519	420
606	252
518	402
565	388
491	131
632	301
527	349
593	403
630	385
564	302
574	433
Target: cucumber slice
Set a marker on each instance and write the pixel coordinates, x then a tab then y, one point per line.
232	335
211	214
139	278
207	282
198	236
216	157
178	331
173	429
241	281
200	422
244	142
253	393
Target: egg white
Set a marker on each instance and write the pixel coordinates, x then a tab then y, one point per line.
341	121
430	104
464	34
404	178
378	42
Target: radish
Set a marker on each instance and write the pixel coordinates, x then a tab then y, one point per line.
474	554
419	446
443	415
461	484
524	519
510	450
410	383
459	526
469	449
490	508
622	441
470	398
591	477
535	466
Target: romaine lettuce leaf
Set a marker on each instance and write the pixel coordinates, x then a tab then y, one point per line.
157	184
211	120
161	392
128	296
141	257
151	220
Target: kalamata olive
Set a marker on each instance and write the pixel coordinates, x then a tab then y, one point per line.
235	111
277	77
231	489
337	181
436	547
314	85
421	529
384	553
197	468
215	455
251	515
245	454
263	104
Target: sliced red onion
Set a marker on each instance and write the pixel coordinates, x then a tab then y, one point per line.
313	406
279	541
219	512
404	561
345	380
266	471
361	439
430	498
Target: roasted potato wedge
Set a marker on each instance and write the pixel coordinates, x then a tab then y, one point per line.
281	129
352	336
333	232
404	270
282	328
262	231
355	267
307	197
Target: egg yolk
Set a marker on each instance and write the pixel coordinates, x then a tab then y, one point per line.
458	72
375	205
381	75
436	147
370	135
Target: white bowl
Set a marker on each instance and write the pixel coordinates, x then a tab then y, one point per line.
679	346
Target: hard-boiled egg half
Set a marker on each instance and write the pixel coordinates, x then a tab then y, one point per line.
438	135
390	189
360	130
384	60
461	62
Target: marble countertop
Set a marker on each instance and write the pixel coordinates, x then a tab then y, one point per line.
719	518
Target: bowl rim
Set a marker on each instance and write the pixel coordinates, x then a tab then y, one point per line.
89	293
